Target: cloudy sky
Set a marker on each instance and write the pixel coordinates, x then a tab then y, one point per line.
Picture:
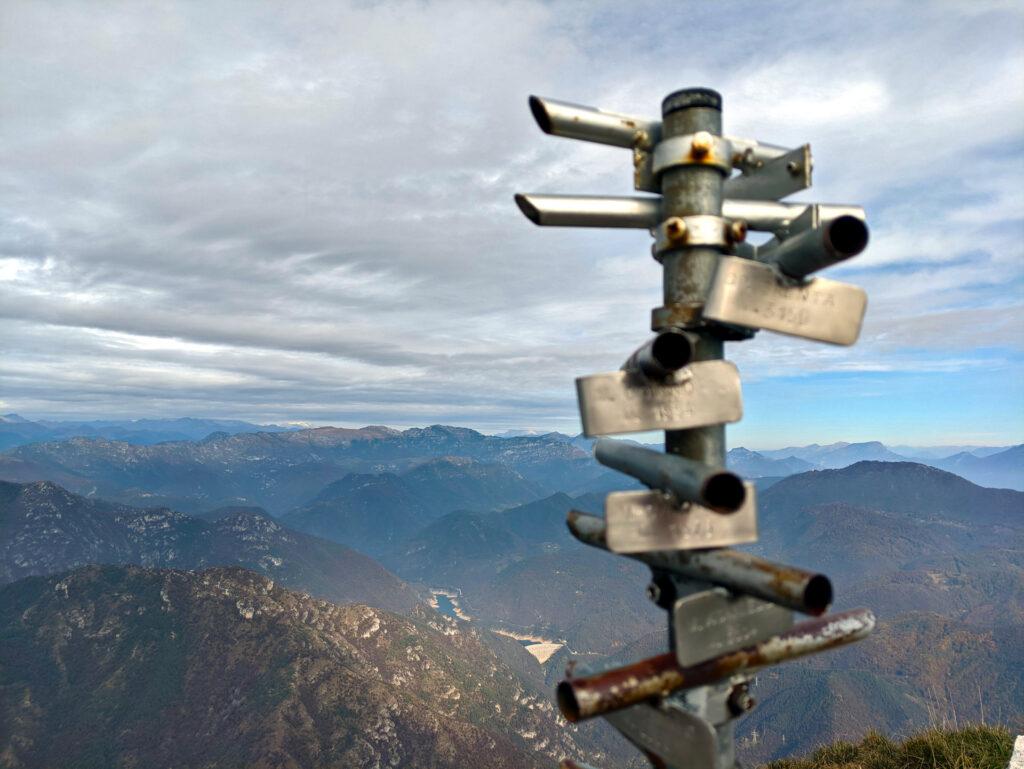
303	211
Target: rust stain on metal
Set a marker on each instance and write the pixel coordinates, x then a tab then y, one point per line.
590	696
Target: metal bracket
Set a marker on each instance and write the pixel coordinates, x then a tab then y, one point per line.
698	149
776	179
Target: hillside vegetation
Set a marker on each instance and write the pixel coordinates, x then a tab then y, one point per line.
972	747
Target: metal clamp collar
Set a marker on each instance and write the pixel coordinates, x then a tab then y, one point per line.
696	230
699	149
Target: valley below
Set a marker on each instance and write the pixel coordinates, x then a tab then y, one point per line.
447	542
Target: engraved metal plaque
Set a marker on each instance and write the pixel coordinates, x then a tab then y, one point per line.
702	394
667	731
748	293
716	621
641	521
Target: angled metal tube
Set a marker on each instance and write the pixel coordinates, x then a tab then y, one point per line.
590	210
643	213
804	591
662	355
686	479
580	698
819	247
574	121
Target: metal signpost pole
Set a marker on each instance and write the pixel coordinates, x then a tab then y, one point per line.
730	613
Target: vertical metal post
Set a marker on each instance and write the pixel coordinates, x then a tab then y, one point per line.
687	274
688	271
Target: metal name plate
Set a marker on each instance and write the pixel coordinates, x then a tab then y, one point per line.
748	293
716	621
702	394
668	731
641	521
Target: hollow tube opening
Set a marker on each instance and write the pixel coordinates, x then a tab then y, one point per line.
672	350
540	114
567	703
529	209
818	594
848	235
724	493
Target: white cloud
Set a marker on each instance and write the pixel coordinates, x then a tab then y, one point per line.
300	211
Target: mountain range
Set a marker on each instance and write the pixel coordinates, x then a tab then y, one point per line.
382	518
139	667
18	431
998	467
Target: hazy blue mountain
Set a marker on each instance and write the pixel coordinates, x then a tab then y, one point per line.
45	529
374	513
18	431
279	471
753	464
897	487
1003	469
921	453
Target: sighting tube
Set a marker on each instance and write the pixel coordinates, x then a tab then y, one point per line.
820	247
686	479
662	355
580	698
803	591
574	121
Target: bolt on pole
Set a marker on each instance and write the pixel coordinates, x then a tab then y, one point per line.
729	613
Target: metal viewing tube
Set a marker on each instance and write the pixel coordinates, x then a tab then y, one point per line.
804	591
663	355
581	698
820	247
687	479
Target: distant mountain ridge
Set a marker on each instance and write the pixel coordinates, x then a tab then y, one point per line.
18	431
278	471
45	529
998	467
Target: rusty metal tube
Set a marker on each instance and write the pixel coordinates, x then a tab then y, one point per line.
580	698
788	586
686	479
663	355
574	121
820	247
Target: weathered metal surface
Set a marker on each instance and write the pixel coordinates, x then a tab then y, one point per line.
685	479
581	698
575	121
662	355
817	247
780	218
699	230
640	521
627	402
777	178
717	621
749	155
667	734
752	294
804	591
700	149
